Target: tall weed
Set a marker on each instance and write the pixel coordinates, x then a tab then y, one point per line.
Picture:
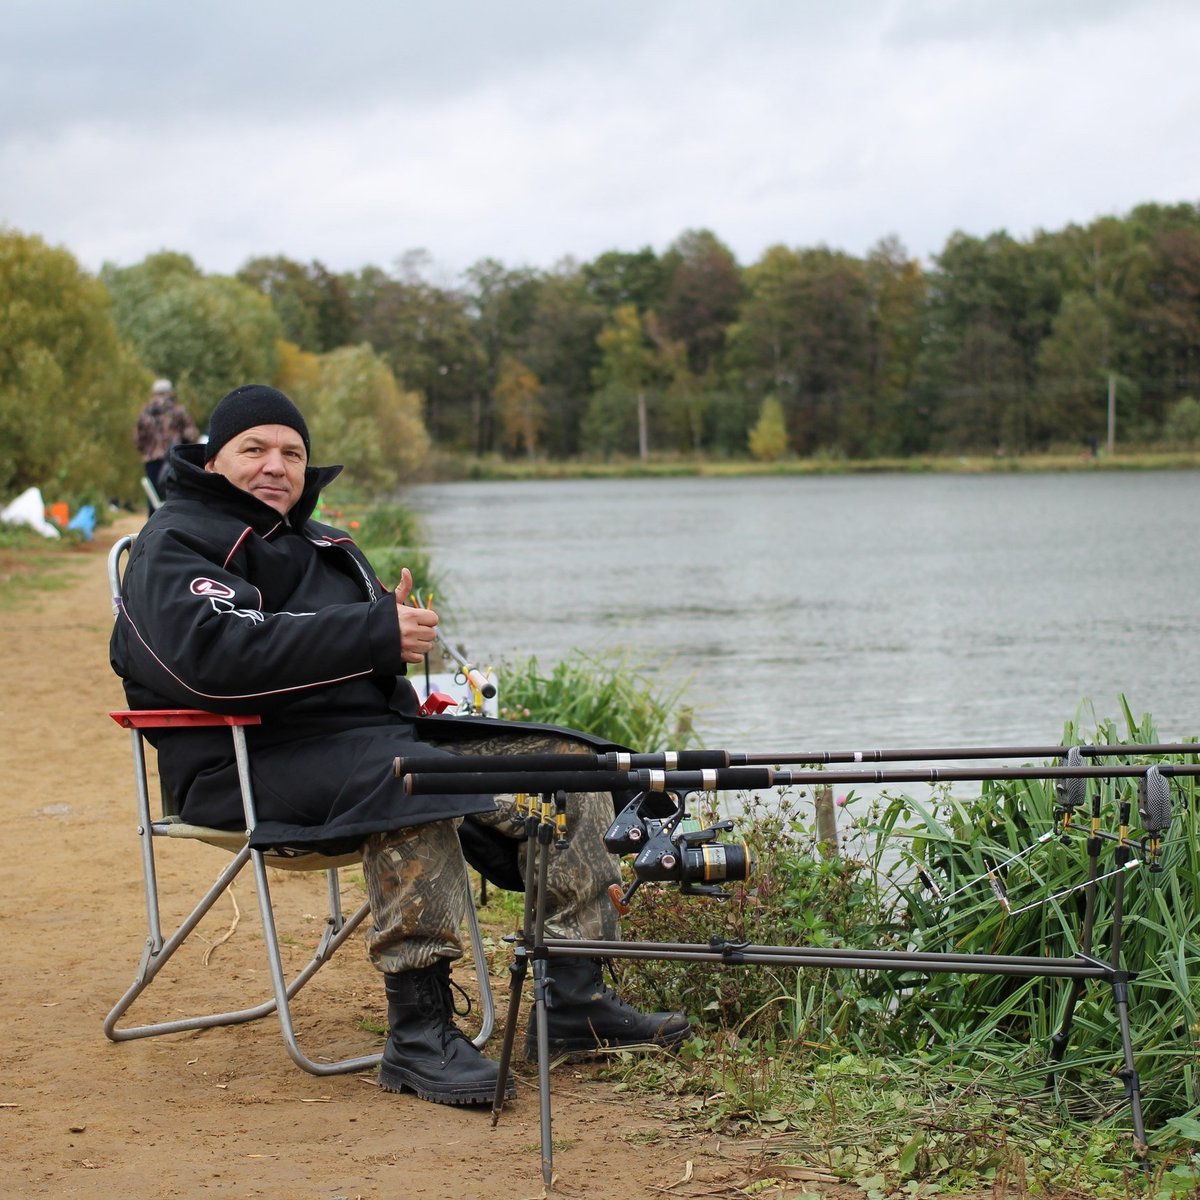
875	895
615	699
1011	1021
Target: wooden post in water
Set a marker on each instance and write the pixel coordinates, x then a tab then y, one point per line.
827	832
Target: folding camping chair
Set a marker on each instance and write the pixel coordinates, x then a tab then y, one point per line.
157	951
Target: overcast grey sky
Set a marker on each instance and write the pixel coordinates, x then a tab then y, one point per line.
528	130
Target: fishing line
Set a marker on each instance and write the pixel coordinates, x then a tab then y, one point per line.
1131	865
990	873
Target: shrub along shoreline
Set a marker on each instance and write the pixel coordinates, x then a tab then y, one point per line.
444	468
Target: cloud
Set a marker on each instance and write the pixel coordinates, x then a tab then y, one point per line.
533	129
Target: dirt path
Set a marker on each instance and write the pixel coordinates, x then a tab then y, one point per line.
224	1112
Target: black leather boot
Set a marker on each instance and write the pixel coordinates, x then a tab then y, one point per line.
426	1052
584	1014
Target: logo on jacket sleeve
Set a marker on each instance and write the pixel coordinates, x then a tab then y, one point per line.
210	587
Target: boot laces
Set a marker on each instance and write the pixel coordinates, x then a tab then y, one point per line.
436	999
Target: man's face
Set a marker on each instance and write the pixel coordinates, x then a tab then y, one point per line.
265	460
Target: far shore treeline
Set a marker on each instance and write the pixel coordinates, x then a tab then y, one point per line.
999	346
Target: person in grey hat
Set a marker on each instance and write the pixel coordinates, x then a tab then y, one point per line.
236	600
162	424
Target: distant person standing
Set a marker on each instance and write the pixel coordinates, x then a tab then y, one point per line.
162	423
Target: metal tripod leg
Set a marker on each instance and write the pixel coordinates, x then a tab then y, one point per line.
541	982
1118	977
1128	1072
519	966
1120	987
1058	1042
540	830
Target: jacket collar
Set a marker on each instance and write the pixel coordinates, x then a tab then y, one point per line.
193	481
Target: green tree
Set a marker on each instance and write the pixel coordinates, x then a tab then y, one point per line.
618	416
1165	319
425	333
70	389
1107	269
502	303
805	334
683	411
768	439
1182	426
617	278
1073	367
992	303
897	424
208	333
310	301
560	347
292	294
361	418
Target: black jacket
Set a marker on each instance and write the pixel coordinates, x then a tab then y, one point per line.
231	608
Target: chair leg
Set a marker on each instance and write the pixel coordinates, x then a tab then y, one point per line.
487	1001
158	952
284	992
155	957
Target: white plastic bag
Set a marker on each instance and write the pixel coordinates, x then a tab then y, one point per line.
29	509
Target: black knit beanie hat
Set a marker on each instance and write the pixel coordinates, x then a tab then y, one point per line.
250	405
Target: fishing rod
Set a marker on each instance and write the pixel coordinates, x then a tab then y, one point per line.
471	674
466	774
704	860
672	760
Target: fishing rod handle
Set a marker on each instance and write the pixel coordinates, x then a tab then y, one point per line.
480	682
453	764
435	783
684	760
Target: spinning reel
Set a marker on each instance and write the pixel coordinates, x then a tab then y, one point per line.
667	852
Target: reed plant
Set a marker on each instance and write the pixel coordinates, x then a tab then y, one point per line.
616	699
972	1052
961	846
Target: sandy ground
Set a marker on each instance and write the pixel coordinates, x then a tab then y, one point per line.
225	1112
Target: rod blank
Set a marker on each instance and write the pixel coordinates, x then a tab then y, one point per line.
935	754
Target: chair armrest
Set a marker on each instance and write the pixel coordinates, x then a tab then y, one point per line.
163	718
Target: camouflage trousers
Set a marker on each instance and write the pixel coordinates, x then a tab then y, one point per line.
417	877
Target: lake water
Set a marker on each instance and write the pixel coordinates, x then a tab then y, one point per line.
847	611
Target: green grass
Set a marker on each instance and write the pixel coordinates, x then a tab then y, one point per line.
30	563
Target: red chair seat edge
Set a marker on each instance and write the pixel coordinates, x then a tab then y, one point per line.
163	718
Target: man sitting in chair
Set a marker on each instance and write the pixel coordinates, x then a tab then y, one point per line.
235	600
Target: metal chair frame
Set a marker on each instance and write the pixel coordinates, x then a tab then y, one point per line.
157	950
